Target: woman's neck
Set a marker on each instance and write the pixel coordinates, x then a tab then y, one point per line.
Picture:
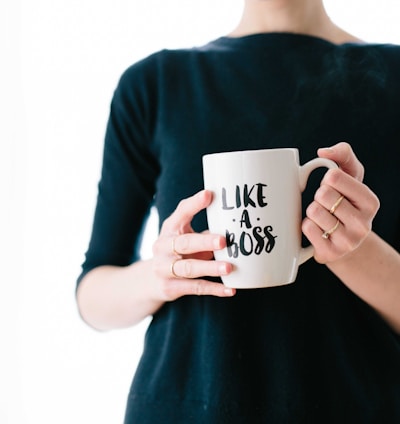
296	16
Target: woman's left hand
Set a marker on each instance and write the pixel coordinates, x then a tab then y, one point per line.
336	225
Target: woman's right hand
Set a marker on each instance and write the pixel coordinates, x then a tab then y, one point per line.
181	257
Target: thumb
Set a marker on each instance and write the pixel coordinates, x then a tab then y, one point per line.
343	155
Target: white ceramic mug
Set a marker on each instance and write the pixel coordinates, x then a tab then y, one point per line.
257	207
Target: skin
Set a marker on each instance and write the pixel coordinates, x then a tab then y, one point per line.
296	16
112	297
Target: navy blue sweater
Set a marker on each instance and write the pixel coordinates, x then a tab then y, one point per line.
309	352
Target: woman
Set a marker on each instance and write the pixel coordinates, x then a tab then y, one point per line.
324	349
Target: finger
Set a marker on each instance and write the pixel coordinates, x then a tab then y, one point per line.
321	217
343	155
333	201
355	223
340	242
194	268
178	288
180	219
355	192
186	244
332	236
325	250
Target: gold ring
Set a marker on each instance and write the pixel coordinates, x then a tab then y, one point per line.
336	205
172	268
328	233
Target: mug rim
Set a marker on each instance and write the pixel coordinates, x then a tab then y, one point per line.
253	151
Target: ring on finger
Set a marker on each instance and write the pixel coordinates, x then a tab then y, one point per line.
336	205
327	234
172	268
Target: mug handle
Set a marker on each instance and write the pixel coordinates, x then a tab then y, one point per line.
304	172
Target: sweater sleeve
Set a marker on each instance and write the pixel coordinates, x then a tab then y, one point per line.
129	172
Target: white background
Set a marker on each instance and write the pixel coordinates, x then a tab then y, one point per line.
60	62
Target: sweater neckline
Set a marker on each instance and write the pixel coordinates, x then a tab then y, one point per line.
279	38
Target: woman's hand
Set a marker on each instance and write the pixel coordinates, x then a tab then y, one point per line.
181	256
336	225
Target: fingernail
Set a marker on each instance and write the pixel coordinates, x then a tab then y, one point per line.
223	270
217	243
327	149
229	291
